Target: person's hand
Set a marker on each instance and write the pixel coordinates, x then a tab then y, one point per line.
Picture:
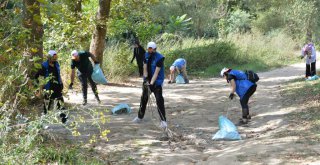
151	87
96	62
70	86
301	57
231	96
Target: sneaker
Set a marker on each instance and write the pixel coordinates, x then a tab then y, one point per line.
63	117
163	124
137	120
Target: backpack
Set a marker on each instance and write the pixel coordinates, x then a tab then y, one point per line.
251	76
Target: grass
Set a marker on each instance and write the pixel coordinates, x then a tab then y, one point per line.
305	94
206	57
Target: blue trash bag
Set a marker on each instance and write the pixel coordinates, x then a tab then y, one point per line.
228	131
180	79
315	77
121	108
98	76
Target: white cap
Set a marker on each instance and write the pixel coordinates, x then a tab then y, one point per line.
223	71
74	53
51	53
172	68
152	45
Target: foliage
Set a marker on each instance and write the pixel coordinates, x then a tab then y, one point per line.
179	24
239	22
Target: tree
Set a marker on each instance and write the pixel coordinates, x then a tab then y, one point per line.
98	38
32	22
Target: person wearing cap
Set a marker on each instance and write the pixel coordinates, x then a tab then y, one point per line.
309	52
243	87
53	88
138	54
179	66
153	77
81	61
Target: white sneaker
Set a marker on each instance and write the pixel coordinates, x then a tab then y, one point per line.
163	124
137	120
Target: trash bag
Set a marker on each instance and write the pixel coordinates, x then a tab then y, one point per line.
121	108
180	79
97	75
315	77
228	131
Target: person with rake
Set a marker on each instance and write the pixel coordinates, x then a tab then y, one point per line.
153	77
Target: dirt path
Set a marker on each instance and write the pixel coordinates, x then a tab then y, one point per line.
192	112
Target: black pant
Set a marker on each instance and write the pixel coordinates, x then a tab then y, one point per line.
157	91
50	96
140	66
84	77
245	99
311	69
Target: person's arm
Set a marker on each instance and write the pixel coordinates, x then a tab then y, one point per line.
155	75
145	70
93	57
233	86
72	75
156	72
134	55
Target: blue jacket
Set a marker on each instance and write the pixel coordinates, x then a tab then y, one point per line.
157	57
242	83
45	65
180	62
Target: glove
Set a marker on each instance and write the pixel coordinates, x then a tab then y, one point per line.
301	57
231	96
96	62
152	87
70	86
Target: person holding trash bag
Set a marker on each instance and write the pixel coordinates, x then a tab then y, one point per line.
243	87
80	60
138	54
179	66
53	89
153	77
309	52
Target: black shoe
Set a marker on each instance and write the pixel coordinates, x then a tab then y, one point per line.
242	122
63	117
84	102
186	81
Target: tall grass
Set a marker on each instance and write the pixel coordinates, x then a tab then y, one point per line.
206	57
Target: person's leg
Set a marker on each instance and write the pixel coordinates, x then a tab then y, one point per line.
244	102
46	102
94	88
313	69
84	84
160	102
140	66
143	101
308	70
184	73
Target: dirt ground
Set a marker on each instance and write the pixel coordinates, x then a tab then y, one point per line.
192	113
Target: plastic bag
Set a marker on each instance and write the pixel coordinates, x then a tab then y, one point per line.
121	108
98	76
228	131
180	79
315	77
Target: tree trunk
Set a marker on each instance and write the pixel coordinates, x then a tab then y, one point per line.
32	22
98	38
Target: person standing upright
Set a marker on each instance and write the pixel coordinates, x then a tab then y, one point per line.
309	52
153	77
138	54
